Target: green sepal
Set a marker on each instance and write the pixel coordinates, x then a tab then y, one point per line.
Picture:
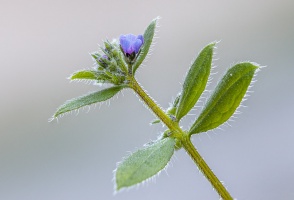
118	56
148	37
226	98
144	163
88	99
195	81
95	56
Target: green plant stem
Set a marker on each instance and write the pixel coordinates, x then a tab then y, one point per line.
173	126
204	168
177	132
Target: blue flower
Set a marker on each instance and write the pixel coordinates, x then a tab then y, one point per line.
131	44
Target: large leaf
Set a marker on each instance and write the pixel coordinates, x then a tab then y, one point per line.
148	37
144	163
88	99
195	81
226	98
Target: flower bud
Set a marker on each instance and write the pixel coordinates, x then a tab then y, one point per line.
130	45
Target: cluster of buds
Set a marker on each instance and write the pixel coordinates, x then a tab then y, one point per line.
116	59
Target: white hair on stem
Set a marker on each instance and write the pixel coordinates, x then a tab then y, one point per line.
150	109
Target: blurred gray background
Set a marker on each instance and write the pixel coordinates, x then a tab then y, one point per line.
43	42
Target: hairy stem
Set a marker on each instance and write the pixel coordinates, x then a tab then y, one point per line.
177	132
204	168
173	126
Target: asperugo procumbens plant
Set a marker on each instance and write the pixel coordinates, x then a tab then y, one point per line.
116	65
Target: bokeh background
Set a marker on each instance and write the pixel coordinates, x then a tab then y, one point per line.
42	42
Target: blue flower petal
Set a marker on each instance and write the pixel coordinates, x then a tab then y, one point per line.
137	45
140	37
124	43
130	43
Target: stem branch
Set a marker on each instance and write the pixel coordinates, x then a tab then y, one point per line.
177	132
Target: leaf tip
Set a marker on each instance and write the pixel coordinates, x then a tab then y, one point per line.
254	66
156	19
118	188
144	164
55	116
258	66
51	119
212	45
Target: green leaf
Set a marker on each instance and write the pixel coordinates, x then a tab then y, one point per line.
155	121
85	75
195	81
148	37
144	163
88	99
100	77
226	98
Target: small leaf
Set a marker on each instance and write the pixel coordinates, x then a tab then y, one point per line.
148	37
88	99
144	163
195	81
155	121
170	111
226	98
85	75
176	101
100	77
